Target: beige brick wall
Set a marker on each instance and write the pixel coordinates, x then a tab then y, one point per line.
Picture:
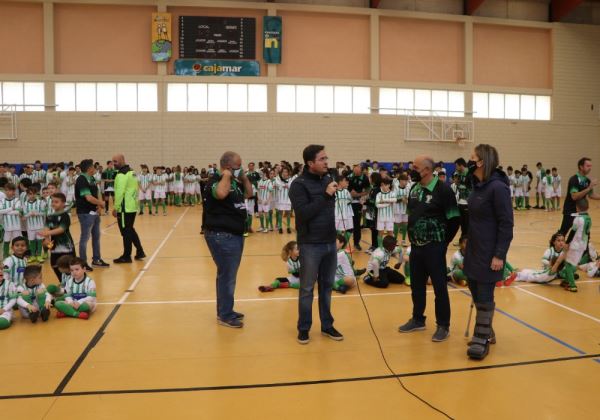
200	138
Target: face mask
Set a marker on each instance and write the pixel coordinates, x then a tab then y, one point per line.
471	166
237	172
415	176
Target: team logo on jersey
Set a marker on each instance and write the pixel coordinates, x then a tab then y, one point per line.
428	199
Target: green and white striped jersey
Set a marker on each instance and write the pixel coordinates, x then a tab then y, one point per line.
550	257
283	191
189	179
14	269
85	289
28	176
39	176
8	295
22	199
401	199
293	266
384	203
159	183
265	190
344	266
36	290
35	214
343	205
145	180
380	259
64	279
11	210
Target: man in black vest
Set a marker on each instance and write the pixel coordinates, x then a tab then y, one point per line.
580	186
224	228
313	199
359	189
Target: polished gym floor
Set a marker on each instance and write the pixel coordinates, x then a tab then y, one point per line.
153	348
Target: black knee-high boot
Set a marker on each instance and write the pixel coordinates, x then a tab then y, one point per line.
479	347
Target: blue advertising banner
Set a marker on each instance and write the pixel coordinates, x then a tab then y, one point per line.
272	27
191	67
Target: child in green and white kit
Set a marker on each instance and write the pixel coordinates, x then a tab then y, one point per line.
10	208
291	255
577	241
345	278
8	300
378	273
550	263
63	264
34	212
34	300
80	293
457	264
14	265
145	192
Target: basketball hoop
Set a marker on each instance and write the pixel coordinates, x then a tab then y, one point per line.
460	141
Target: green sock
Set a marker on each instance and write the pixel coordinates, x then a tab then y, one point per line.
164	206
39	247
249	222
403	228
41	299
569	274
537	200
379	240
53	289
262	220
338	283
32	248
275	284
156	207
6	249
396	228
84	307
28	299
294	285
270	219
407	269
347	235
4	323
66	309
288	219
279	219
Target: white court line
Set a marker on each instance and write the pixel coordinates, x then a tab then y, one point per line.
137	279
560	305
168	302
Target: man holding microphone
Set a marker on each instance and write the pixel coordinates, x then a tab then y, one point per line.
313	199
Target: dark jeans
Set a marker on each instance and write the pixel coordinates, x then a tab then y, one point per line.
429	261
386	276
130	236
54	256
226	250
356	221
317	264
482	292
90	226
567	223
464	219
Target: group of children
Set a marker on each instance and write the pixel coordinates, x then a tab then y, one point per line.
548	188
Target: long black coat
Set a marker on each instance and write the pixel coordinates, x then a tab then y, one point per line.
490	227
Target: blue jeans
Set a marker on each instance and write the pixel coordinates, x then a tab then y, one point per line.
90	225
226	250
317	264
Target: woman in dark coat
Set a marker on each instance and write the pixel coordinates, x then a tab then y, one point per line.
489	237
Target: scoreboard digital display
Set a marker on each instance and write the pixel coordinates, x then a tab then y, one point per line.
224	38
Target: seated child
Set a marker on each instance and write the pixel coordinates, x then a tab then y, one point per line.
14	265
550	263
577	241
80	293
378	273
34	301
291	255
63	264
8	300
456	274
344	273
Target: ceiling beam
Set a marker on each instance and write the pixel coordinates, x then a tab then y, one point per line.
561	8
471	6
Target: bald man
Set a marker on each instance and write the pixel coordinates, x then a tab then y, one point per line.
126	207
433	220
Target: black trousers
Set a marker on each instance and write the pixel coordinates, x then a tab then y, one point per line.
356	221
54	256
430	261
482	292
386	276
464	219
130	236
567	223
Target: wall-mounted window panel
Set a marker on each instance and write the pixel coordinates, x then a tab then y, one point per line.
216	97
106	97
496	105
24	96
527	107
542	108
512	106
480	105
424	102
324	99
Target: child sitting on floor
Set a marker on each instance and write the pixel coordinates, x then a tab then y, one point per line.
378	273
34	301
80	293
291	254
344	273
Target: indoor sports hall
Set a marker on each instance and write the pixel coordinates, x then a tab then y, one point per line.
168	83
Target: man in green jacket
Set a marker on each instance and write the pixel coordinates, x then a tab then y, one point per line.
126	208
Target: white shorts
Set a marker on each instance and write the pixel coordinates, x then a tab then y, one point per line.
160	194
512	191
145	195
518	192
558	192
32	235
574	256
283	206
250	206
70	197
189	189
540	187
9	235
401	218
344	224
197	188
264	208
549	193
385	225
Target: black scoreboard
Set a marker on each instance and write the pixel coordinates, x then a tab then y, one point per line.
217	37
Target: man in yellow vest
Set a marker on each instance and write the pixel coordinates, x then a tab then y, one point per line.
125	209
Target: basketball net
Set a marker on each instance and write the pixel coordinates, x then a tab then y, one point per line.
460	141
